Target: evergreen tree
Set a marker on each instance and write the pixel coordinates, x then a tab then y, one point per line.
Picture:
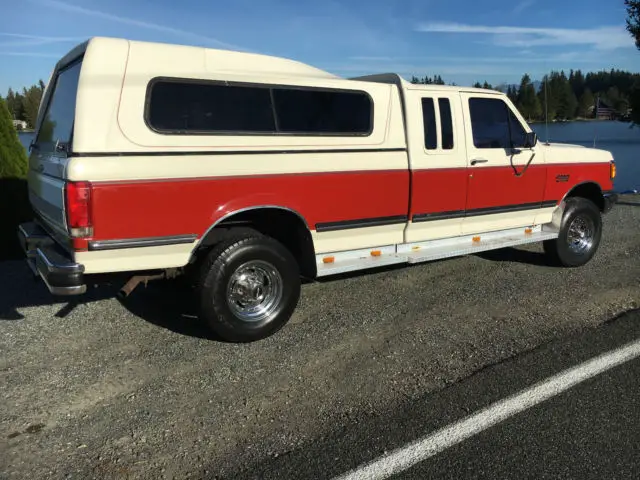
527	101
567	102
31	103
15	105
634	103
633	19
477	85
577	81
545	100
13	158
586	104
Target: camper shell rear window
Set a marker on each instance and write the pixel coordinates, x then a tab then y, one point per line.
57	123
195	107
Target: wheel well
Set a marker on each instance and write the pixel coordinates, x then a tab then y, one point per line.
283	225
590	191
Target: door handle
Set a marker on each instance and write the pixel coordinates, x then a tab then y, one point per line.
475	161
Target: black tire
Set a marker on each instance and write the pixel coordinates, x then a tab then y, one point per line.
255	265
570	249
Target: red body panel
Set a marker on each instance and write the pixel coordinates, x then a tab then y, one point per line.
499	186
438	190
578	173
174	207
123	210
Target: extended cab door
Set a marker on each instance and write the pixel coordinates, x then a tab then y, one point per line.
506	181
438	163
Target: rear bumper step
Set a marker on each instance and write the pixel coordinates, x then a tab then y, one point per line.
61	274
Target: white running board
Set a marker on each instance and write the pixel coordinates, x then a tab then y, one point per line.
352	260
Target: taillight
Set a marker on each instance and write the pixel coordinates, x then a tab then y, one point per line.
612	169
78	205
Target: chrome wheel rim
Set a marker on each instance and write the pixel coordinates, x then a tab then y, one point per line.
254	291
580	234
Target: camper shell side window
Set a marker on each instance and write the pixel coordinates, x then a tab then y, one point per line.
198	107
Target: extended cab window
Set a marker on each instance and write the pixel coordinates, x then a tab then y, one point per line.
429	123
446	123
57	124
494	125
188	107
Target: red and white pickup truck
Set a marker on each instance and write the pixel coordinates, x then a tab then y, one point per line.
253	172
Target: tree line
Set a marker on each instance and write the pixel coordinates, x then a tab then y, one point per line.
24	106
566	96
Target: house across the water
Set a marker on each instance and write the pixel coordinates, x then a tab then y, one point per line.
19	124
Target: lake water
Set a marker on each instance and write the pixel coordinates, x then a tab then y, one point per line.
623	142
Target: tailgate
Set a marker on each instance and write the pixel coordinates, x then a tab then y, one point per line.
49	151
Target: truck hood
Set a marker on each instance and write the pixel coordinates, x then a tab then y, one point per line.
568	153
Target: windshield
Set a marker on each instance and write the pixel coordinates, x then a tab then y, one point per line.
57	124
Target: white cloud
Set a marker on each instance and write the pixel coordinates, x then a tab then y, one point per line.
524	56
602	38
67	7
27	40
372	59
31	54
522	6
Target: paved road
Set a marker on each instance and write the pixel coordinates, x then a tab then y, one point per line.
139	390
590	431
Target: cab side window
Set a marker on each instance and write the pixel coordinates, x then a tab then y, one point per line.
494	125
429	124
446	123
518	134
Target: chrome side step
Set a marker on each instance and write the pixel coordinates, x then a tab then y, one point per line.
439	249
353	260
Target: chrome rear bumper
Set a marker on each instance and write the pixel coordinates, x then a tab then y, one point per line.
61	274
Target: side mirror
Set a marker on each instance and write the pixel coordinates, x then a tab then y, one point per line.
530	140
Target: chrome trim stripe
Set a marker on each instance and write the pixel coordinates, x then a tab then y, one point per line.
427	217
141	242
275	151
360	223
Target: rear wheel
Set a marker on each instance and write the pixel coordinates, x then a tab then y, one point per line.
580	234
249	287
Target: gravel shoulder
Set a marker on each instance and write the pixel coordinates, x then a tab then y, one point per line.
104	389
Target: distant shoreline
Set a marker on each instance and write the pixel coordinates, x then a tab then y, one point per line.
579	119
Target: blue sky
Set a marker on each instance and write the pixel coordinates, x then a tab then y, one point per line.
463	40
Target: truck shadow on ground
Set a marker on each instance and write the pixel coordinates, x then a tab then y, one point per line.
169	304
514	255
19	288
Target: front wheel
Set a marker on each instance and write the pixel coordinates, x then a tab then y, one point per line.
579	236
249	288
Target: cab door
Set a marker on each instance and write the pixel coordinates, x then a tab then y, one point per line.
506	180
437	162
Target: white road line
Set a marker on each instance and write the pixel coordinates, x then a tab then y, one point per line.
405	457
